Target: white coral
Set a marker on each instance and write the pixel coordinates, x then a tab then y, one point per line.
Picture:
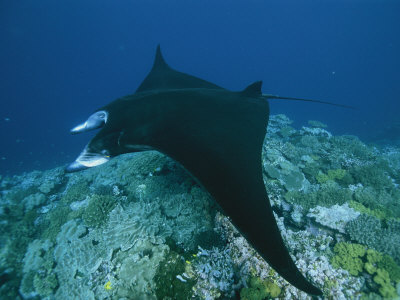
335	217
315	131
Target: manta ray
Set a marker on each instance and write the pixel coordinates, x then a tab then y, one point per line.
214	133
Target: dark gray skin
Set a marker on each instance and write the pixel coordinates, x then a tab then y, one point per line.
217	136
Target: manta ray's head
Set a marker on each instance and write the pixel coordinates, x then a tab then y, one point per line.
102	147
95	121
123	128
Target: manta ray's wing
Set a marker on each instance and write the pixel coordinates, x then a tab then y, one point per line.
163	77
217	135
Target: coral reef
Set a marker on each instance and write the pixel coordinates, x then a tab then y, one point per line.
314	123
215	272
170	271
337	174
348	257
371	231
335	217
96	213
327	195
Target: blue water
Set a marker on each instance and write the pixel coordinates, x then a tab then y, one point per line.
60	60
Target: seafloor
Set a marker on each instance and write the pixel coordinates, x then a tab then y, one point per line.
139	227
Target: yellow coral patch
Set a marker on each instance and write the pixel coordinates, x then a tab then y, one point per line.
108	286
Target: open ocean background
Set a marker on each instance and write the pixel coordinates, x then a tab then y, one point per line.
61	60
139	227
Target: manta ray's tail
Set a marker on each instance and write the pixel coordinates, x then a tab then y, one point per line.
268	96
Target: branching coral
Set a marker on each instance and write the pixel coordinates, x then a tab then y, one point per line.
333	175
379	200
375	234
215	271
328	195
373	176
377	213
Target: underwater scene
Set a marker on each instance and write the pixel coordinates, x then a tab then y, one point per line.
199	150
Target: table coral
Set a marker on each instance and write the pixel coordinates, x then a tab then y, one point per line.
335	217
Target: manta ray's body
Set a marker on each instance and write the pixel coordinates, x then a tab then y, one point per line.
215	134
